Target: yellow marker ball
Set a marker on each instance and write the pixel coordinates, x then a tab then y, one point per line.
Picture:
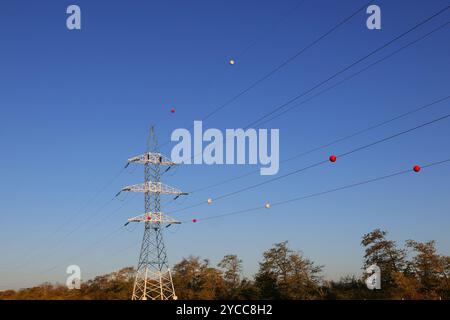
267	205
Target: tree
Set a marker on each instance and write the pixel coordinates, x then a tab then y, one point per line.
385	254
187	277
113	286
285	274
247	290
407	287
348	287
231	267
416	272
212	284
430	269
195	279
445	260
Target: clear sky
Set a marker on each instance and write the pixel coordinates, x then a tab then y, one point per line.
74	105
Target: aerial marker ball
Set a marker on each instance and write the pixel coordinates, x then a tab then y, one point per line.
210	201
267	205
417	168
172	110
333	158
232	62
194	220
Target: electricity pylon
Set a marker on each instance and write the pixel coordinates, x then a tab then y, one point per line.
153	278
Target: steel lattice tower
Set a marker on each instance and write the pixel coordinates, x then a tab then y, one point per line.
153	277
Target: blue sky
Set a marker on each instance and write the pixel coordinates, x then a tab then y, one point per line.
75	105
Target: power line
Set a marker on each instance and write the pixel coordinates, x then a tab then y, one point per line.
317	163
332	87
288	61
333	142
38	250
117	252
255	122
100	240
71	217
282	65
380	140
339	83
394	136
61	241
272	26
91	246
389	120
356	73
317	194
336	85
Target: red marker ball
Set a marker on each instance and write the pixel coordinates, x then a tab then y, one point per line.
333	158
416	168
172	110
194	220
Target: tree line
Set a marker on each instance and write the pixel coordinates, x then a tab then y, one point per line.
413	271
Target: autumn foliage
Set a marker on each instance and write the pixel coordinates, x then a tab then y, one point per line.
415	271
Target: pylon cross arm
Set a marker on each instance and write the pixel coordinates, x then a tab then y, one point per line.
155	187
154	158
154	217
